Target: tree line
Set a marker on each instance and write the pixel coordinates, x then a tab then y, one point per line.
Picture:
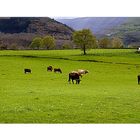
83	39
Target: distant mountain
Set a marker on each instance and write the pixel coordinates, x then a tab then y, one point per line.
128	31
38	25
99	25
21	30
127	28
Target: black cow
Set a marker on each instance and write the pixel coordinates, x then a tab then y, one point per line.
74	76
138	49
138	79
27	71
57	70
50	68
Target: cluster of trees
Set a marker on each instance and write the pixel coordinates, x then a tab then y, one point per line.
110	43
86	40
83	39
47	42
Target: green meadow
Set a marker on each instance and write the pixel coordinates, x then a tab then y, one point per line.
109	93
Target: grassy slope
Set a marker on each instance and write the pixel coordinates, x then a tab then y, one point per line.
108	94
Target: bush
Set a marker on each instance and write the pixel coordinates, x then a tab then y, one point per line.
13	47
66	46
3	47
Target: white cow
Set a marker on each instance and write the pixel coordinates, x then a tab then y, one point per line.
80	72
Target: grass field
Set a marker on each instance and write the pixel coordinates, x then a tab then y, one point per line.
109	93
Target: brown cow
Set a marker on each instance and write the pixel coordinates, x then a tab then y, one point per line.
27	71
77	73
57	70
80	72
50	68
138	79
74	76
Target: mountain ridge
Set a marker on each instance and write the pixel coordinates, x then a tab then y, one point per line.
127	28
21	30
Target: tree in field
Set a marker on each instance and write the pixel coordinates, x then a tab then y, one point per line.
84	39
117	43
36	43
104	43
49	42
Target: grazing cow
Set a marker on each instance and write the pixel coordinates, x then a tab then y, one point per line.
82	71
27	71
57	70
138	79
50	68
77	73
74	76
138	49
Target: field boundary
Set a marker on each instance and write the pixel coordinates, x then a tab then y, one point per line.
62	58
